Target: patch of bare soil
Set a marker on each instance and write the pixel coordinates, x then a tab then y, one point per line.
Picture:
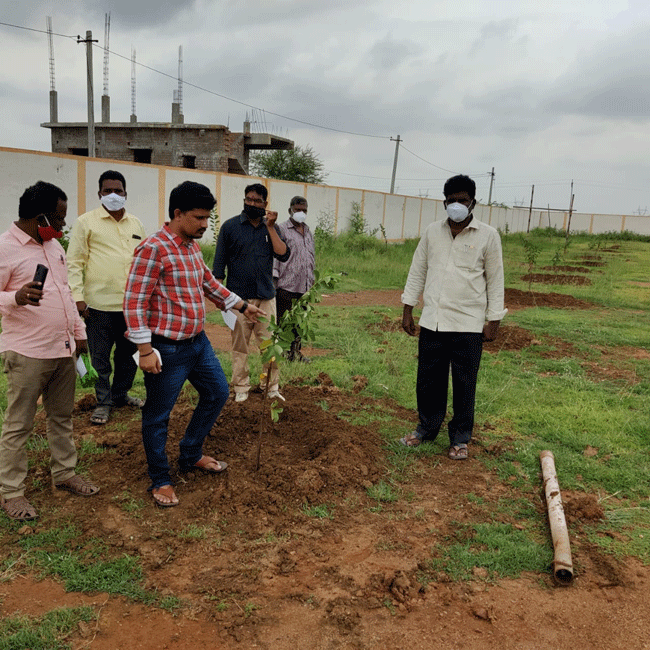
556	278
567	269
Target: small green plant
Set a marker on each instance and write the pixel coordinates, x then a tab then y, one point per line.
47	632
322	511
215	222
325	231
129	503
249	608
556	259
358	223
382	492
531	252
193	531
383	233
388	604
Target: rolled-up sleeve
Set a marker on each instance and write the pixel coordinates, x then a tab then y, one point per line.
143	277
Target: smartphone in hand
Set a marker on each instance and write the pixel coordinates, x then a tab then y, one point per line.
40	275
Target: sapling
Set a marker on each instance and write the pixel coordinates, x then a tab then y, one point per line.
294	322
531	251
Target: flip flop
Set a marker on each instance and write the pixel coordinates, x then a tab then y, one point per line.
165	491
203	466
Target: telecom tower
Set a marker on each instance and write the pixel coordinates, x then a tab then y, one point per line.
106	100
133	115
54	111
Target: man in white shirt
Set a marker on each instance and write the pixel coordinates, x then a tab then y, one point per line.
458	269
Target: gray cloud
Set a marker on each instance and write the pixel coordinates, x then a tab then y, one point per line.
611	81
388	54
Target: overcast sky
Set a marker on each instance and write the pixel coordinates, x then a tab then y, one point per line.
544	92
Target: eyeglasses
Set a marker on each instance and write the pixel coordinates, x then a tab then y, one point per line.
254	201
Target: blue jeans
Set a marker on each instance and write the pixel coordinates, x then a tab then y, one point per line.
437	353
193	360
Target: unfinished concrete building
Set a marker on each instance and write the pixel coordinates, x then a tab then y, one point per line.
210	147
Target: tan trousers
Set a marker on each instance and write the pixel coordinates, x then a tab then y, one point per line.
27	379
241	337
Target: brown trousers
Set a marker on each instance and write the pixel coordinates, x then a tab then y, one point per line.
241	337
27	379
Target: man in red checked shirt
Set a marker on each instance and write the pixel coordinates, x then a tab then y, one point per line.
165	314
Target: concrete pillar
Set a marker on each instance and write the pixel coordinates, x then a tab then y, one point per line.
177	116
106	109
54	107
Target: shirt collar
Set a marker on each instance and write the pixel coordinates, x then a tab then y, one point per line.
472	224
21	235
174	237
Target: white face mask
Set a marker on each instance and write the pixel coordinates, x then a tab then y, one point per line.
457	212
299	217
113	202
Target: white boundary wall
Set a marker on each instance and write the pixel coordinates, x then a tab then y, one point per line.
148	187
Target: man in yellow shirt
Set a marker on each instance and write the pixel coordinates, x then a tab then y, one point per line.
99	258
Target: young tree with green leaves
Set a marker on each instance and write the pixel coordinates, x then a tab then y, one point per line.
299	164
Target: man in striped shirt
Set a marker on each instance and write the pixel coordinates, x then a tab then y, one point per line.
295	277
165	315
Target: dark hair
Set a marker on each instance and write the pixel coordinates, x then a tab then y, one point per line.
41	198
111	175
190	196
258	188
460	183
296	200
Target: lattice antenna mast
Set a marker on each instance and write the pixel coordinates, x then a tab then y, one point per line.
180	79
51	43
132	81
107	30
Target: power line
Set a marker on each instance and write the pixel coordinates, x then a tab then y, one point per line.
40	31
216	94
428	162
251	106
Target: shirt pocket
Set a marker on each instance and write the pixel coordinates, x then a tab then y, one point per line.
468	256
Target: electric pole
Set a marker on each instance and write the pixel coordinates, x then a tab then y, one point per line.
491	183
530	210
392	181
91	104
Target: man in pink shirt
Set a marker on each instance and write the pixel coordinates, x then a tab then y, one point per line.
41	330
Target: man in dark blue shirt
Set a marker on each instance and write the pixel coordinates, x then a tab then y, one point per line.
246	247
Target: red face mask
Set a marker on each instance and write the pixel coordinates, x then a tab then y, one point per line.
46	233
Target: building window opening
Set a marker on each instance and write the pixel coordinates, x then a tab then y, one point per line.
189	162
142	156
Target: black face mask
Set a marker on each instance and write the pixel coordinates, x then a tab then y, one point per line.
253	212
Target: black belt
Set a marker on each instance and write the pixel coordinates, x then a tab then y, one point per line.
156	338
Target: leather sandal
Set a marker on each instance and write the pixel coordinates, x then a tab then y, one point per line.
18	508
164	491
458	452
78	485
413	439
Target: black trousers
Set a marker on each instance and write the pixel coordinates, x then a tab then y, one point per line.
437	353
283	302
106	329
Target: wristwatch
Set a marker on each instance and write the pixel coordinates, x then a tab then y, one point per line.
243	308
